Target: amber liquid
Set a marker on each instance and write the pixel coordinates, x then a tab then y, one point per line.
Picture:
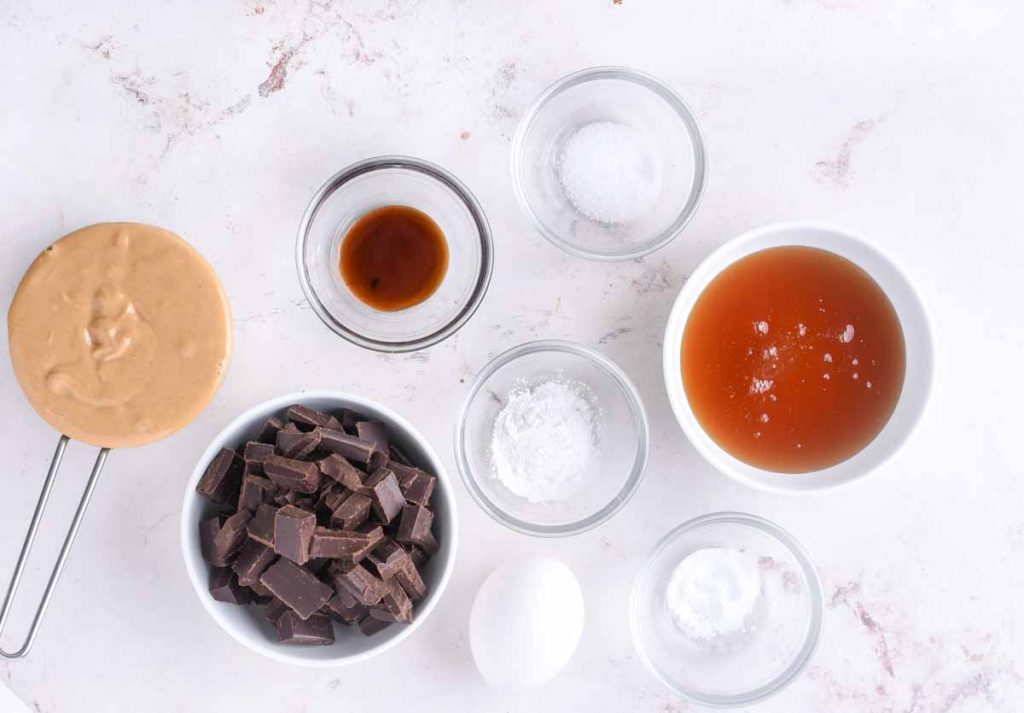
394	257
793	359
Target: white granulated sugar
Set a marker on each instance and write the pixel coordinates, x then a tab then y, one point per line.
847	336
715	592
544	439
609	172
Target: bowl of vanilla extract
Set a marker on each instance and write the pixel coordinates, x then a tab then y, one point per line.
394	253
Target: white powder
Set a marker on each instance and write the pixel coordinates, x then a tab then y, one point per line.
544	439
714	592
609	172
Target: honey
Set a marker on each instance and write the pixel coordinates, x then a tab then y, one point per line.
394	257
793	359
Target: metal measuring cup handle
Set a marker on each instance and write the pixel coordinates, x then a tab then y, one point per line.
26	548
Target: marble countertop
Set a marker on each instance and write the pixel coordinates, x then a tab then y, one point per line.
218	120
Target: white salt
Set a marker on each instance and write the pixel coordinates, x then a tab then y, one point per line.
714	592
609	172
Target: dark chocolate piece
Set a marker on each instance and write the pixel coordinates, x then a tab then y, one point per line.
222	478
293	532
418	557
317	564
208	530
343	607
338	468
411	581
369	625
261	527
374	432
306	416
274	609
417	485
253	559
292	629
254	455
255	491
358	581
395	605
268	431
293	443
349	419
397	454
224	587
414	527
385	494
293	474
349	545
387	558
429	545
261	591
229	539
296	587
352	512
353	448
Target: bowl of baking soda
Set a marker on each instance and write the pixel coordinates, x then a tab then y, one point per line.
609	163
552	439
727	611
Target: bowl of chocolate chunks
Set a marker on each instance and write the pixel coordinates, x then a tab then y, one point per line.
319	529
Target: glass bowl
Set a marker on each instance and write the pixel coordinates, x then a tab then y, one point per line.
761	662
394	180
627	97
623	440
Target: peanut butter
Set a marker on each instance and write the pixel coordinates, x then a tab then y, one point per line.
120	334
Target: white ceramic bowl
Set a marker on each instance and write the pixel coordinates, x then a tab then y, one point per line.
246	624
916	333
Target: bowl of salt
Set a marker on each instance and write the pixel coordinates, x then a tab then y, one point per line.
609	164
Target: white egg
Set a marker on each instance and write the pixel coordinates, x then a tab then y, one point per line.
526	621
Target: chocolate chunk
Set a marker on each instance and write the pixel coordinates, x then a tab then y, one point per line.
331	496
208	530
292	629
349	419
252	560
224	587
274	609
349	545
369	625
261	527
293	443
418	556
296	587
343	607
222	478
293	474
317	564
358	581
387	558
261	591
429	544
338	468
255	491
398	455
229	539
414	527
395	605
385	494
352	512
408	576
355	449
417	485
293	532
254	455
375	433
268	431
305	416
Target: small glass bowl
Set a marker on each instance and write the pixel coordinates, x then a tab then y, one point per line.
627	97
623	443
762	662
394	180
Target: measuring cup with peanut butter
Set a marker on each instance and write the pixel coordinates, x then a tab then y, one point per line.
119	335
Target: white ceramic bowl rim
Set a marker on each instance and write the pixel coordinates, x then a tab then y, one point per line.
630	485
689	119
788	674
198	569
917	336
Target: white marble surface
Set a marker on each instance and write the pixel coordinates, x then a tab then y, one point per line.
898	118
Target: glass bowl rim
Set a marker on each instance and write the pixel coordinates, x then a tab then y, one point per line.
632	482
810	644
455	186
694	133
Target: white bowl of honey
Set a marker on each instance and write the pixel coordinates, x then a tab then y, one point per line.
797	357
